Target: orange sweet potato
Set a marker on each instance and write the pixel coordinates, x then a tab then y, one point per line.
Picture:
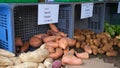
53	27
63	43
18	41
87	49
50	49
25	47
52	44
83	55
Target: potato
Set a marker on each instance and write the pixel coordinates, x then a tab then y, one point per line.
111	53
5	61
41	36
26	65
56	64
48	62
104	41
18	41
87	49
106	47
118	44
41	65
97	42
95	51
101	51
6	53
115	41
78	45
50	49
80	38
35	42
25	47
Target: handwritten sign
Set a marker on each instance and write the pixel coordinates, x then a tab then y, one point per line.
86	10
48	13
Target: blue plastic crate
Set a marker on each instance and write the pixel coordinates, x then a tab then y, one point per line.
6	29
94	23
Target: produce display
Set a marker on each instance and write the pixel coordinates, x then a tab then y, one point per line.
54	49
99	43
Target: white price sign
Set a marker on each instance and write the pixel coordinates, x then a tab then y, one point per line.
118	11
48	13
86	10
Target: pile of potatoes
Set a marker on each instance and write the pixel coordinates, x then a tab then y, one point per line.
100	43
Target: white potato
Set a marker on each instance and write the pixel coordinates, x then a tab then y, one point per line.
41	65
48	62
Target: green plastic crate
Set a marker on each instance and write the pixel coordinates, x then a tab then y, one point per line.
67	0
1	1
88	0
99	0
12	1
20	1
29	1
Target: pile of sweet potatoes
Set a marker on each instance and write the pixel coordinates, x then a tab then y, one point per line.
100	43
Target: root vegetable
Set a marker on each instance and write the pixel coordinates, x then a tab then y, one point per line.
66	50
52	44
63	43
111	53
48	62
6	53
50	49
93	47
16	60
41	65
83	55
51	38
95	51
118	44
35	42
5	61
78	45
70	59
56	64
101	51
25	47
104	41
80	38
35	56
97	42
41	36
87	49
26	65
18	41
53	27
106	47
57	54
62	34
71	42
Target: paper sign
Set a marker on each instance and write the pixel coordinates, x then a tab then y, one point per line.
86	10
118	8
48	13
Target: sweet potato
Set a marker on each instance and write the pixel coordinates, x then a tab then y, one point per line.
25	47
83	55
87	49
66	50
56	64
35	42
106	47
41	36
18	41
70	59
111	53
71	42
118	44
57	54
52	44
53	27
97	42
101	51
50	49
63	43
51	38
62	34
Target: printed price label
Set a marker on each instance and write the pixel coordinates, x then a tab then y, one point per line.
118	11
86	10
48	13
